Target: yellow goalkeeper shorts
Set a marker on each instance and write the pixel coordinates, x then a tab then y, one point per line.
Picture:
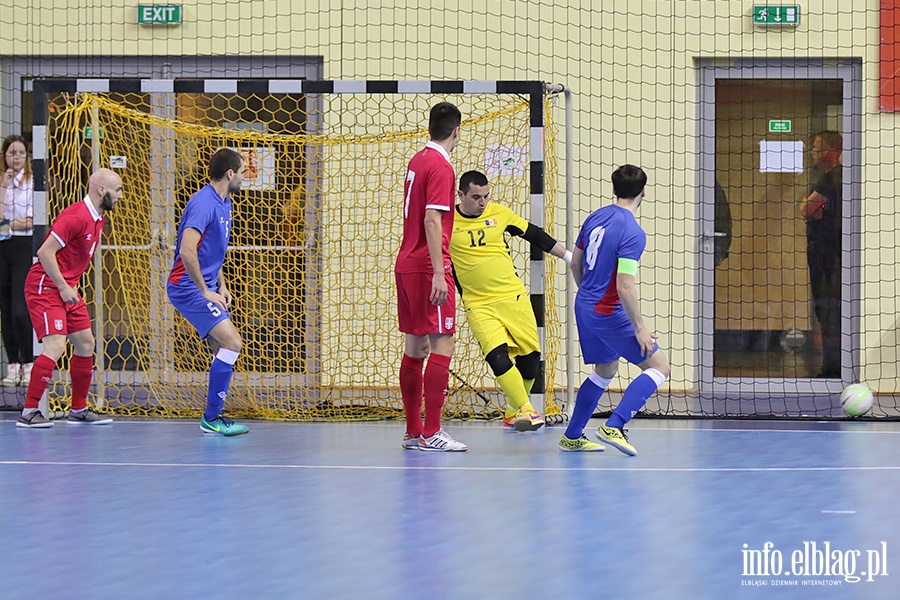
509	321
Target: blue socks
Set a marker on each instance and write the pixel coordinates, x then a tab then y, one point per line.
585	403
220	372
635	396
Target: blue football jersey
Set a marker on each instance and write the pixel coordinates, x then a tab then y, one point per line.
210	214
607	235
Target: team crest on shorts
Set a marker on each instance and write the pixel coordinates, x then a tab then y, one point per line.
58	324
448	323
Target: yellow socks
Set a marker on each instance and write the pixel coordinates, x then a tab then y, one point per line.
511	382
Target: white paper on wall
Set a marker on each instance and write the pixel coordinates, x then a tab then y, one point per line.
780	157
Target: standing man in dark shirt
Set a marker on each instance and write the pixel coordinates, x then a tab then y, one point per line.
822	210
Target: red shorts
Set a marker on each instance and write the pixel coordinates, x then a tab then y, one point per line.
415	312
50	315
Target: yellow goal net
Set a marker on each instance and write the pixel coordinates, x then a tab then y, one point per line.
316	229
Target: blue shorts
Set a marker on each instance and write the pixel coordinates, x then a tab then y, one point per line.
198	311
607	338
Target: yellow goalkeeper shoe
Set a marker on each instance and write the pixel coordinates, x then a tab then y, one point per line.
524	419
529	420
509	417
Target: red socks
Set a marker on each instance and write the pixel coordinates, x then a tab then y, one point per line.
434	383
437	374
41	373
81	370
411	390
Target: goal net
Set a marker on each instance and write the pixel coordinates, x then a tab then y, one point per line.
316	229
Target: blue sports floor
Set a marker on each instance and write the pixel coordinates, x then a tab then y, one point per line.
154	509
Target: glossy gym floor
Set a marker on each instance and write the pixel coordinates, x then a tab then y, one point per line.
708	509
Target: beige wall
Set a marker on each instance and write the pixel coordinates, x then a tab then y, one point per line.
630	65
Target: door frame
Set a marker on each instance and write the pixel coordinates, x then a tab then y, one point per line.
849	71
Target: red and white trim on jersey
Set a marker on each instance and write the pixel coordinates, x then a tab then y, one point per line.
435	146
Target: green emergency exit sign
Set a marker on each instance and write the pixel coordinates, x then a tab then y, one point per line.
776	14
779	126
159	14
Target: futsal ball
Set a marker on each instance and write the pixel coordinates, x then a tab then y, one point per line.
856	400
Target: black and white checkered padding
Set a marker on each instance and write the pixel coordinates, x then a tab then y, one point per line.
534	90
286	86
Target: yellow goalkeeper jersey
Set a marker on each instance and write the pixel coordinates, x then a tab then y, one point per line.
481	260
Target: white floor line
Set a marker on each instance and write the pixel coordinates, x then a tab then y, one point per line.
494	424
749	430
436	468
398	426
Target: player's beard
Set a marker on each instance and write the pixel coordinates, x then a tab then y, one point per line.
234	187
106	202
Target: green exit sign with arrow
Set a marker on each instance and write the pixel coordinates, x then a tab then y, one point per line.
776	14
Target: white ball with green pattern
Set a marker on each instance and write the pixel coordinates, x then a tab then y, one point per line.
856	400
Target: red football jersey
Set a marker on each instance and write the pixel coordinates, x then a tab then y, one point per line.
430	184
77	229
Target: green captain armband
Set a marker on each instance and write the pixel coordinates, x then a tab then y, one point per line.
627	266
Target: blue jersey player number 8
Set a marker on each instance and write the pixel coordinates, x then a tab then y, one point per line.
607	312
590	256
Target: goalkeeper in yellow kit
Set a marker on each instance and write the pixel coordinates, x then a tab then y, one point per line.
498	308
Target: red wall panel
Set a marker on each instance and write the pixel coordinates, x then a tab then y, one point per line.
889	65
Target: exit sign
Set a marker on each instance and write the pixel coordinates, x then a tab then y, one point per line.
781	126
89	133
776	14
159	14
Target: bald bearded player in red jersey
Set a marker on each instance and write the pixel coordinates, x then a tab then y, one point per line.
57	309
